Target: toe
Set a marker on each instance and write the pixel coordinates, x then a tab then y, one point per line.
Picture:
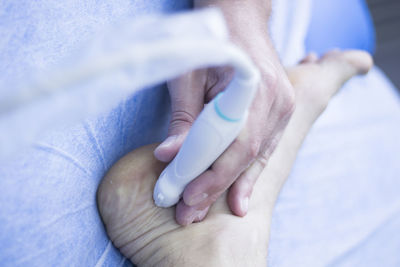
312	57
346	64
361	60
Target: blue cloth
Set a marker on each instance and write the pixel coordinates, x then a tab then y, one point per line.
337	208
341	204
340	24
48	212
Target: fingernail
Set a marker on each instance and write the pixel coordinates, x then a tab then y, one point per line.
165	155
168	142
195	216
196	199
199	216
244	205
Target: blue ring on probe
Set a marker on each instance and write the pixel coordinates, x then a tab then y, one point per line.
219	112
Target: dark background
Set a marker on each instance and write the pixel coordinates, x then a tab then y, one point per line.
386	16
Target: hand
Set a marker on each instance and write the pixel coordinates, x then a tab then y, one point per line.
149	236
240	165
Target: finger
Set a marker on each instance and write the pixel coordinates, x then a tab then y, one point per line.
186	215
277	120
168	149
312	57
207	188
218	79
187	101
272	145
281	112
240	192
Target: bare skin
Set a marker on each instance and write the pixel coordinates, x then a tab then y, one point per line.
150	236
248	24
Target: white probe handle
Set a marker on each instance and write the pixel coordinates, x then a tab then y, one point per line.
208	138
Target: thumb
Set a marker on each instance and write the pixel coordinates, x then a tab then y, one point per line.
187	101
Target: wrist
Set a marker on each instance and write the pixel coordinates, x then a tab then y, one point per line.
264	6
248	25
247	16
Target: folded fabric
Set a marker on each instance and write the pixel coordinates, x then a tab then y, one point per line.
115	66
48	213
340	206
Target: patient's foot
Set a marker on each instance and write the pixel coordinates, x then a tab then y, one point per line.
150	236
316	80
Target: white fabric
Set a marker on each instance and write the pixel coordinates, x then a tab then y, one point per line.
340	207
341	204
123	61
289	27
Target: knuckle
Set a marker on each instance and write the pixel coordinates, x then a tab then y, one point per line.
215	197
263	160
218	79
271	148
270	79
181	118
279	89
249	147
272	92
287	104
253	149
223	176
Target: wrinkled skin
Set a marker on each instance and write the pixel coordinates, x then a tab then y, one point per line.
150	236
238	168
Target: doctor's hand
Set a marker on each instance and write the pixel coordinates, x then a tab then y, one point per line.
238	168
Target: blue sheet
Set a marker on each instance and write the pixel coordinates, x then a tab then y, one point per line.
48	212
340	24
338	208
341	204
